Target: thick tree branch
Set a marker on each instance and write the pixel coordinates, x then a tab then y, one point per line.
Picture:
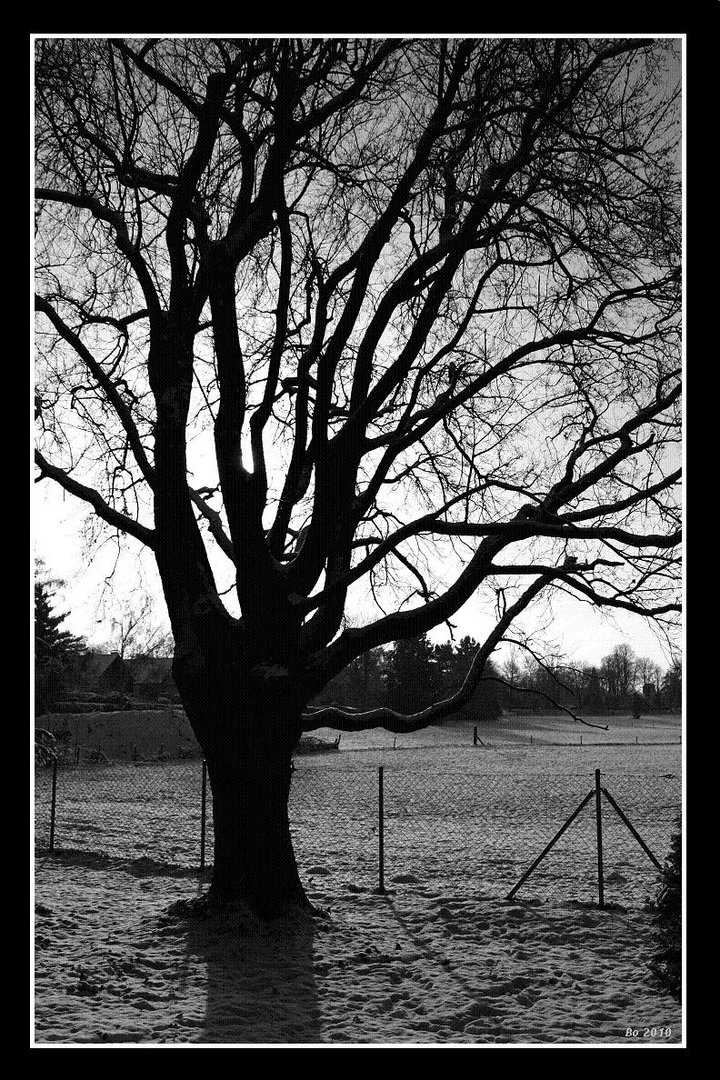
100	506
641	495
214	521
122	238
397	722
105	383
262	414
513	530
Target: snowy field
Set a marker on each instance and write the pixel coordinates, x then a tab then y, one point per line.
525	729
442	958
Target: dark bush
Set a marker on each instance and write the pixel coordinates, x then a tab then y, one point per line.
667	916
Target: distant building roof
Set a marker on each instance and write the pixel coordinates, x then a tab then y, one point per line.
94	665
149	669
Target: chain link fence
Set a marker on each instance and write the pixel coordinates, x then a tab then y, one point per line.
129	811
489	835
367	827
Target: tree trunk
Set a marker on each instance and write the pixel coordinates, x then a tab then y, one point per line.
254	861
248	730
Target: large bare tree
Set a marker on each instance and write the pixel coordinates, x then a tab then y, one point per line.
343	323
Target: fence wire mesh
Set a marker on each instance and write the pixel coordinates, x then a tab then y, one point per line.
128	811
442	828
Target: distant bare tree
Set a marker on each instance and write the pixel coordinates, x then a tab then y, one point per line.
618	671
136	632
648	675
321	320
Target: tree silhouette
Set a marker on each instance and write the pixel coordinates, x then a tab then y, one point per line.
55	648
328	322
410	675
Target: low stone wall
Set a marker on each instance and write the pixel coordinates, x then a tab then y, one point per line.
137	735
124	736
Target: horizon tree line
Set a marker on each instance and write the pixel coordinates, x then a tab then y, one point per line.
406	677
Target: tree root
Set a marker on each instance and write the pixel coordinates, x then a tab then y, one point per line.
239	916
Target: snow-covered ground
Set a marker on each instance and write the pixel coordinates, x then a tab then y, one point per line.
442	958
524	729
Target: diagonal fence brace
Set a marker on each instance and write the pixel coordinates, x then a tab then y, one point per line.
631	828
552	843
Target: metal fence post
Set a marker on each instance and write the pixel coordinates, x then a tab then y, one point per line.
549	846
598	823
53	800
203	815
381	832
